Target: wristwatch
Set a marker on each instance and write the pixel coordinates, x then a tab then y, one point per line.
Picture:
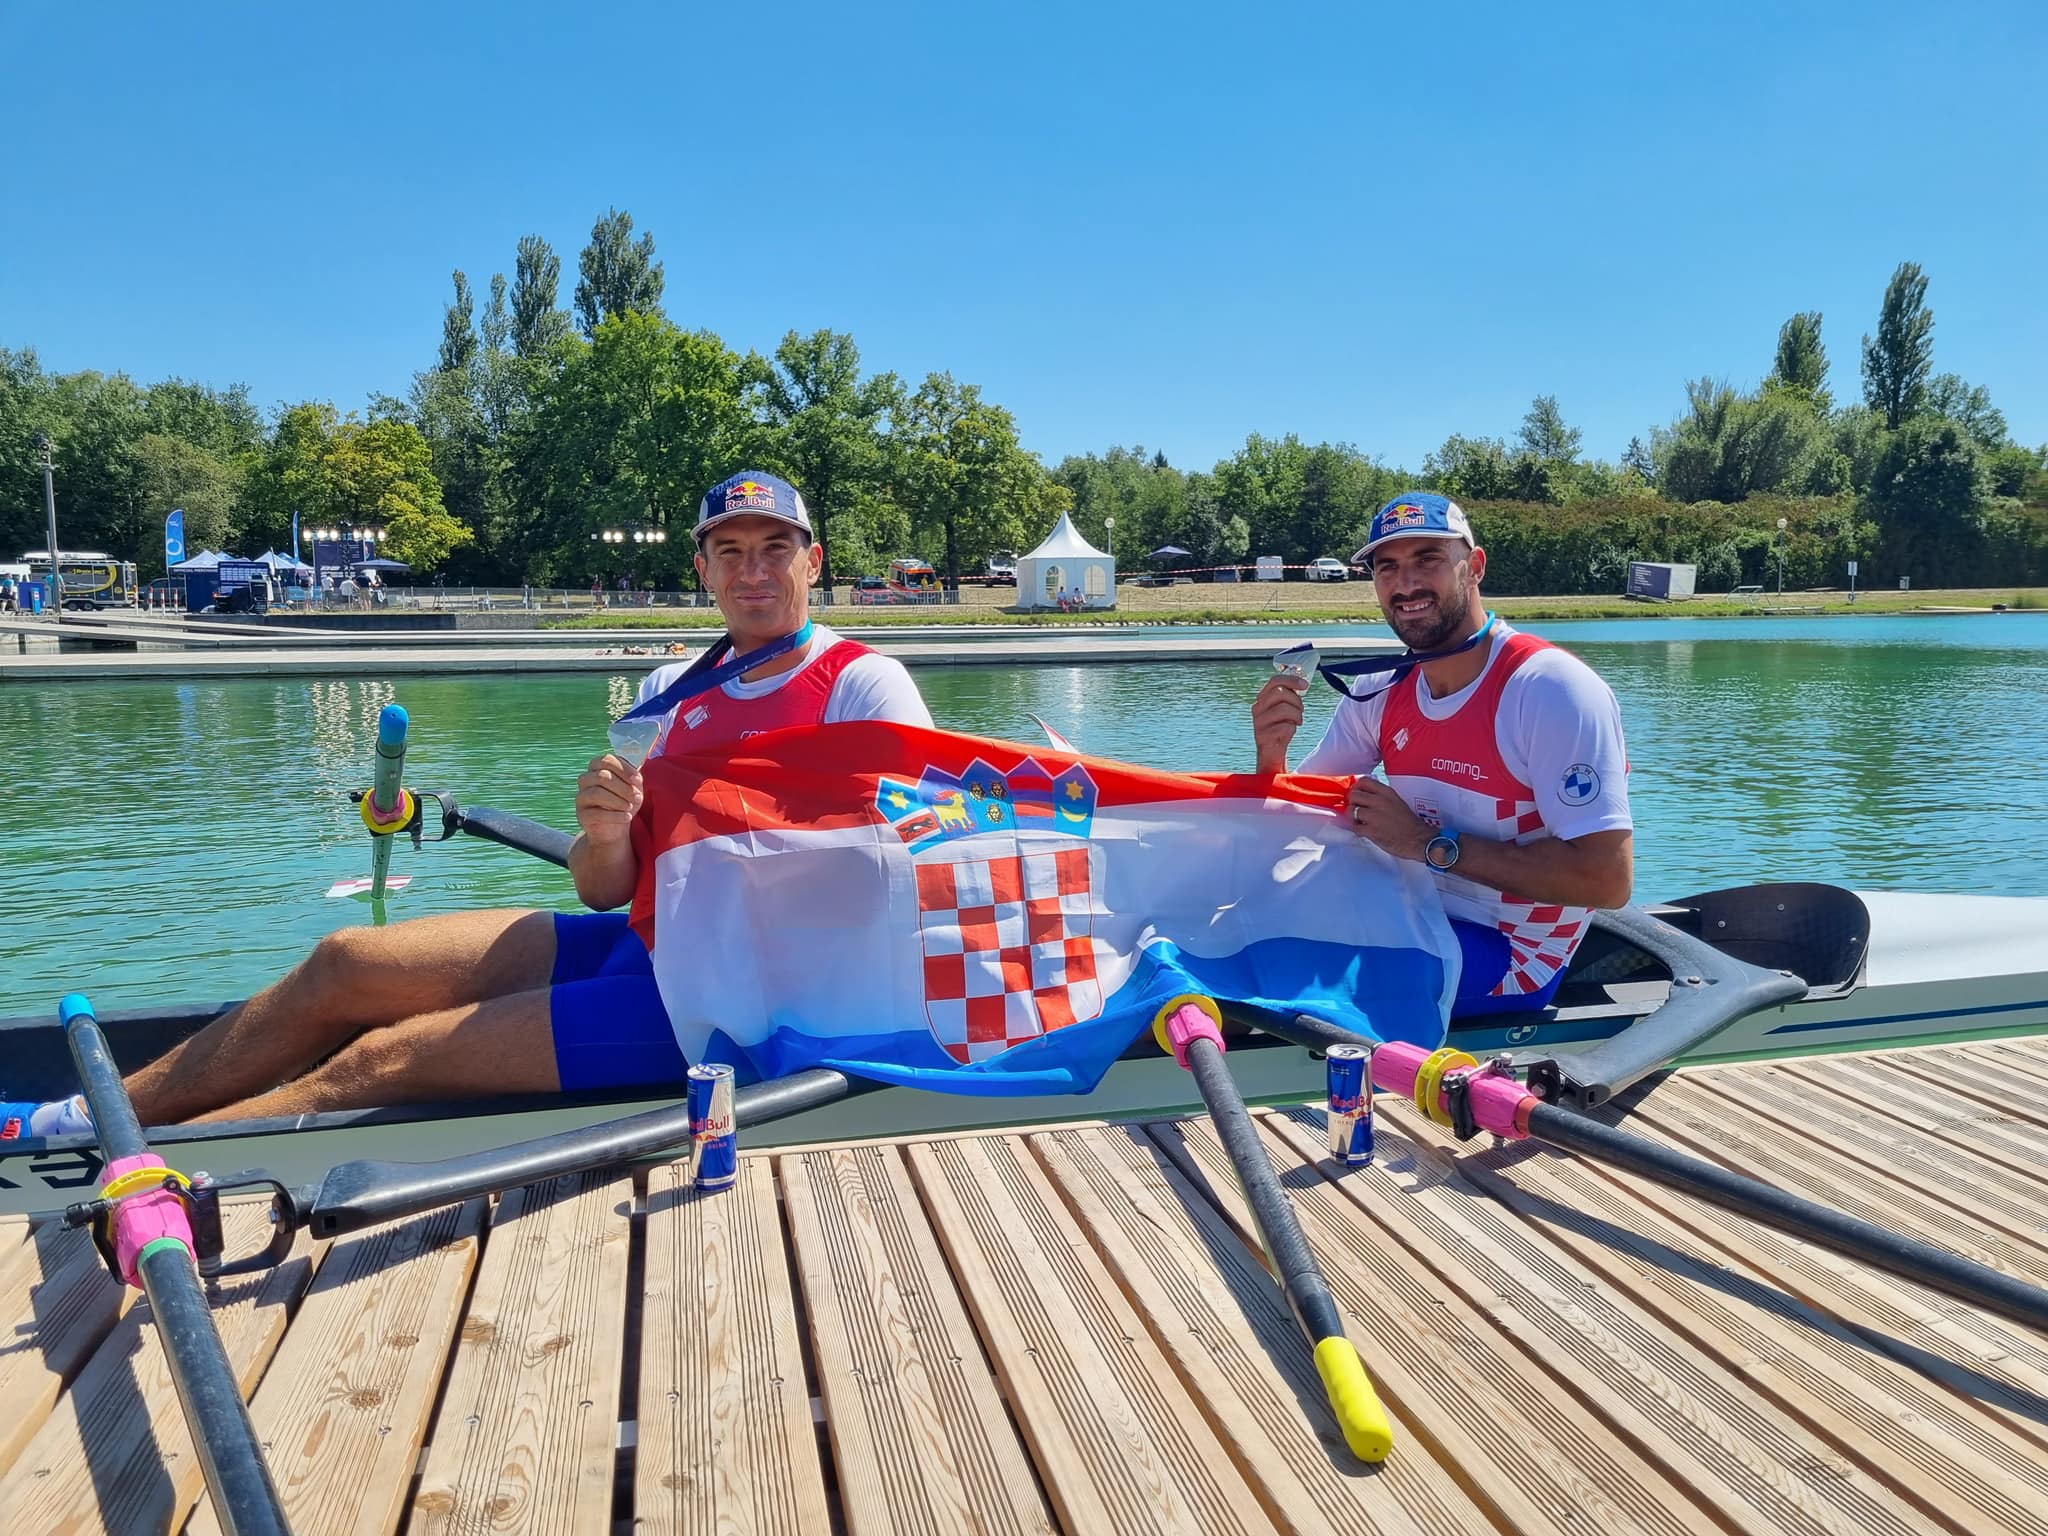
1441	851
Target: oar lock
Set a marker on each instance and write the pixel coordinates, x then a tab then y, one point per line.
200	1196
408	817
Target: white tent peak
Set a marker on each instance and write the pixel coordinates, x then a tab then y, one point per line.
1066	543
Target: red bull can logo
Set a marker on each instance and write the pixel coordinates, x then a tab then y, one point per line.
714	1144
1350	1112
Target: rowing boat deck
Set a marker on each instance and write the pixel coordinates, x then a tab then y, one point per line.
1067	1329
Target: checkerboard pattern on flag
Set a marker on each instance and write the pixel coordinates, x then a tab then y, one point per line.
1008	952
975	916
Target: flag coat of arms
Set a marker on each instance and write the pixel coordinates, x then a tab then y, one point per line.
946	911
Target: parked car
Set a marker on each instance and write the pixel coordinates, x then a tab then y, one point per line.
1001	571
1328	569
871	589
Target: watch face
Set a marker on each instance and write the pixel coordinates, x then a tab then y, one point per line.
1440	853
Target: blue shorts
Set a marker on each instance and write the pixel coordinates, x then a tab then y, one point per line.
610	1028
1487	957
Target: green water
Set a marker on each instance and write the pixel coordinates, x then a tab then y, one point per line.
174	841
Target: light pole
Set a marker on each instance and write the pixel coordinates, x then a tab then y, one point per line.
1781	559
1109	538
41	443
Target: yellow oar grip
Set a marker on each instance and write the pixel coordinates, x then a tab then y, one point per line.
1353	1400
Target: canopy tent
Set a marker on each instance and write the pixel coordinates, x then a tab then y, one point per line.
283	564
205	560
1171	552
381	564
1066	563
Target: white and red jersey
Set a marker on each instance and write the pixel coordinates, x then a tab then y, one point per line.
838	679
1531	748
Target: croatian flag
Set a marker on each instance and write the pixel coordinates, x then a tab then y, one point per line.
974	916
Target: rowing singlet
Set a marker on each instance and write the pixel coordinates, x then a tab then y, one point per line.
717	719
1561	724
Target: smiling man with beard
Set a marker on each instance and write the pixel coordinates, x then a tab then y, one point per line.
1506	772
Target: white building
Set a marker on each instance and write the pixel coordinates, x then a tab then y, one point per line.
1066	563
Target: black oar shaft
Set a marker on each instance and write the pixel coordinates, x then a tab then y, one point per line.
361	1194
1979	1284
230	1457
1287	1250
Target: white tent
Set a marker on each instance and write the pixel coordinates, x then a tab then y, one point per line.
1067	563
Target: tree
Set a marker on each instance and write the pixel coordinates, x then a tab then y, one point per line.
824	425
458	330
536	285
960	472
620	274
1470	468
1928	494
632	431
1545	436
292	475
170	472
1802	362
382	475
1728	447
1895	364
1969	407
1636	460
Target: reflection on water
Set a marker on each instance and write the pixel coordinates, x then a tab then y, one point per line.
175	840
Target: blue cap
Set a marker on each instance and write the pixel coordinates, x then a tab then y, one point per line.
1417	515
750	493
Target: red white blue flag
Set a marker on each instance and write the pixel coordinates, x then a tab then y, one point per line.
975	916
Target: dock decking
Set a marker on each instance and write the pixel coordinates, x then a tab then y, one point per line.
1069	1329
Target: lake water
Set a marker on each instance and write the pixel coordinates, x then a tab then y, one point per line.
174	841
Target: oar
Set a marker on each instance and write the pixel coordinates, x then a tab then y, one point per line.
362	1193
1458	1092
1189	1027
145	1234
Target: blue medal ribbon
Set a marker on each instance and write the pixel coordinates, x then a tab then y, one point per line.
709	672
1337	673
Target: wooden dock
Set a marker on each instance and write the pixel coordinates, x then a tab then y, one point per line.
1068	1329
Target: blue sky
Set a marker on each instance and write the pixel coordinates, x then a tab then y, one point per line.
1159	224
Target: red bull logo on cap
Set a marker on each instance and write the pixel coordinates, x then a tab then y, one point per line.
749	496
1406	515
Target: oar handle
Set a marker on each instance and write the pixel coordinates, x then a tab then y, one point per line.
1189	1028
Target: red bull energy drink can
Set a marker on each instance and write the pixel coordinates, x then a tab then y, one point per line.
1350	1074
714	1146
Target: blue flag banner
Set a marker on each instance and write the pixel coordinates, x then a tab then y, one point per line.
295	536
174	537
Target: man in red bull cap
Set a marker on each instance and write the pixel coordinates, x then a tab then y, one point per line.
1505	768
503	1002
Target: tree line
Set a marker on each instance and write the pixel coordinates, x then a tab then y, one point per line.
537	428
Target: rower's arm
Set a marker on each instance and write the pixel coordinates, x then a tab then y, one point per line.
1596	870
606	874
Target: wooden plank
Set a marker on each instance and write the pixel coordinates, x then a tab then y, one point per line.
1817	1148
59	1303
1928	1447
919	1436
1446	1362
726	1442
2000	1367
1118	1442
344	1406
526	1435
1751	1466
2013	1084
2006	1141
1216	1313
118	1458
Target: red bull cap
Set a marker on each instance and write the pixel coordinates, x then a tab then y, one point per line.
1417	515
752	493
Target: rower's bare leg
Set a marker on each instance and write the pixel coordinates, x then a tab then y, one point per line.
502	1045
356	979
